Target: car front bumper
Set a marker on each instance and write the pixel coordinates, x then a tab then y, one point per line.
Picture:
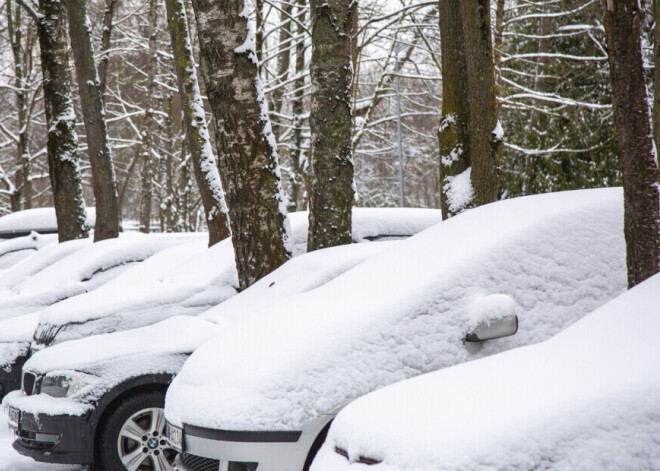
55	438
216	450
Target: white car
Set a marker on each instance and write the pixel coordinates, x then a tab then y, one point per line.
262	391
86	267
41	220
122	376
589	398
16	249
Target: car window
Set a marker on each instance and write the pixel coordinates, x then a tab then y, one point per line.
101	277
10	258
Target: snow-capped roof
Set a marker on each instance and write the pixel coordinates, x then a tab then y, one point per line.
85	268
38	220
405	311
196	283
14	250
586	399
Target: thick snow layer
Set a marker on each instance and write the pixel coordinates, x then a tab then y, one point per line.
586	399
38	219
14	250
202	281
15	337
85	269
164	346
38	261
405	312
10	460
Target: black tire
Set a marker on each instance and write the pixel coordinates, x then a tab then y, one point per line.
141	409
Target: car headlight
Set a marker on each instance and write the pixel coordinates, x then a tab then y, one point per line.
64	385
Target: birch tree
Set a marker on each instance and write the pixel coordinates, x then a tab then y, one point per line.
623	22
203	160
247	156
331	183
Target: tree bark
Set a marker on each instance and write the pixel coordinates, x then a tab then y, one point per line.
484	142
147	128
100	157
331	191
247	158
623	22
453	133
204	163
108	15
283	61
62	143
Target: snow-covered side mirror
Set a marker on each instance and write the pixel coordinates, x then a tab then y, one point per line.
493	317
494	329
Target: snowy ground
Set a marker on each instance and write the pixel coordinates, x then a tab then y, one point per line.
12	461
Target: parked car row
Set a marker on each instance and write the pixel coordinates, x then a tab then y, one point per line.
168	366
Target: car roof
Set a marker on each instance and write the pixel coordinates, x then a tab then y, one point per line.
42	220
586	397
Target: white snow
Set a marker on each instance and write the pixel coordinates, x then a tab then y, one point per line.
14	250
38	220
195	284
459	191
586	399
405	311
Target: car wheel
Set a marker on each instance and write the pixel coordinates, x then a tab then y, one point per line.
133	436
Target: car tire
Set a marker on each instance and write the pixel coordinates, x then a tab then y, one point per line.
134	433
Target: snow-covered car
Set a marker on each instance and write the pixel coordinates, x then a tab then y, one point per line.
86	267
122	377
16	249
261	392
588	398
41	220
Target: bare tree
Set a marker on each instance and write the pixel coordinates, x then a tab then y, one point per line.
91	99
62	145
331	183
204	163
247	158
623	22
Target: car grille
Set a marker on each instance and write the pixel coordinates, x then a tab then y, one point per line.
199	463
29	382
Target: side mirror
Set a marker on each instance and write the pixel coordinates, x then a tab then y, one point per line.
494	329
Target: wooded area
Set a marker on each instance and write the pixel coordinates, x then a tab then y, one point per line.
311	105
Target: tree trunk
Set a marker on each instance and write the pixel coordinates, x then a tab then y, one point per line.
296	153
62	143
100	157
485	133
283	61
147	128
204	163
247	158
331	192
453	133
108	15
623	22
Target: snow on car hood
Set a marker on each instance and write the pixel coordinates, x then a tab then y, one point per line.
585	399
33	241
37	219
405	311
15	336
197	283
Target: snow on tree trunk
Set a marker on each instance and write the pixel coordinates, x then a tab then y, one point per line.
453	133
485	131
623	22
91	100
247	158
204	163
62	143
331	190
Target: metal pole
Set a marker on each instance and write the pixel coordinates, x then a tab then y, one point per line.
402	200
